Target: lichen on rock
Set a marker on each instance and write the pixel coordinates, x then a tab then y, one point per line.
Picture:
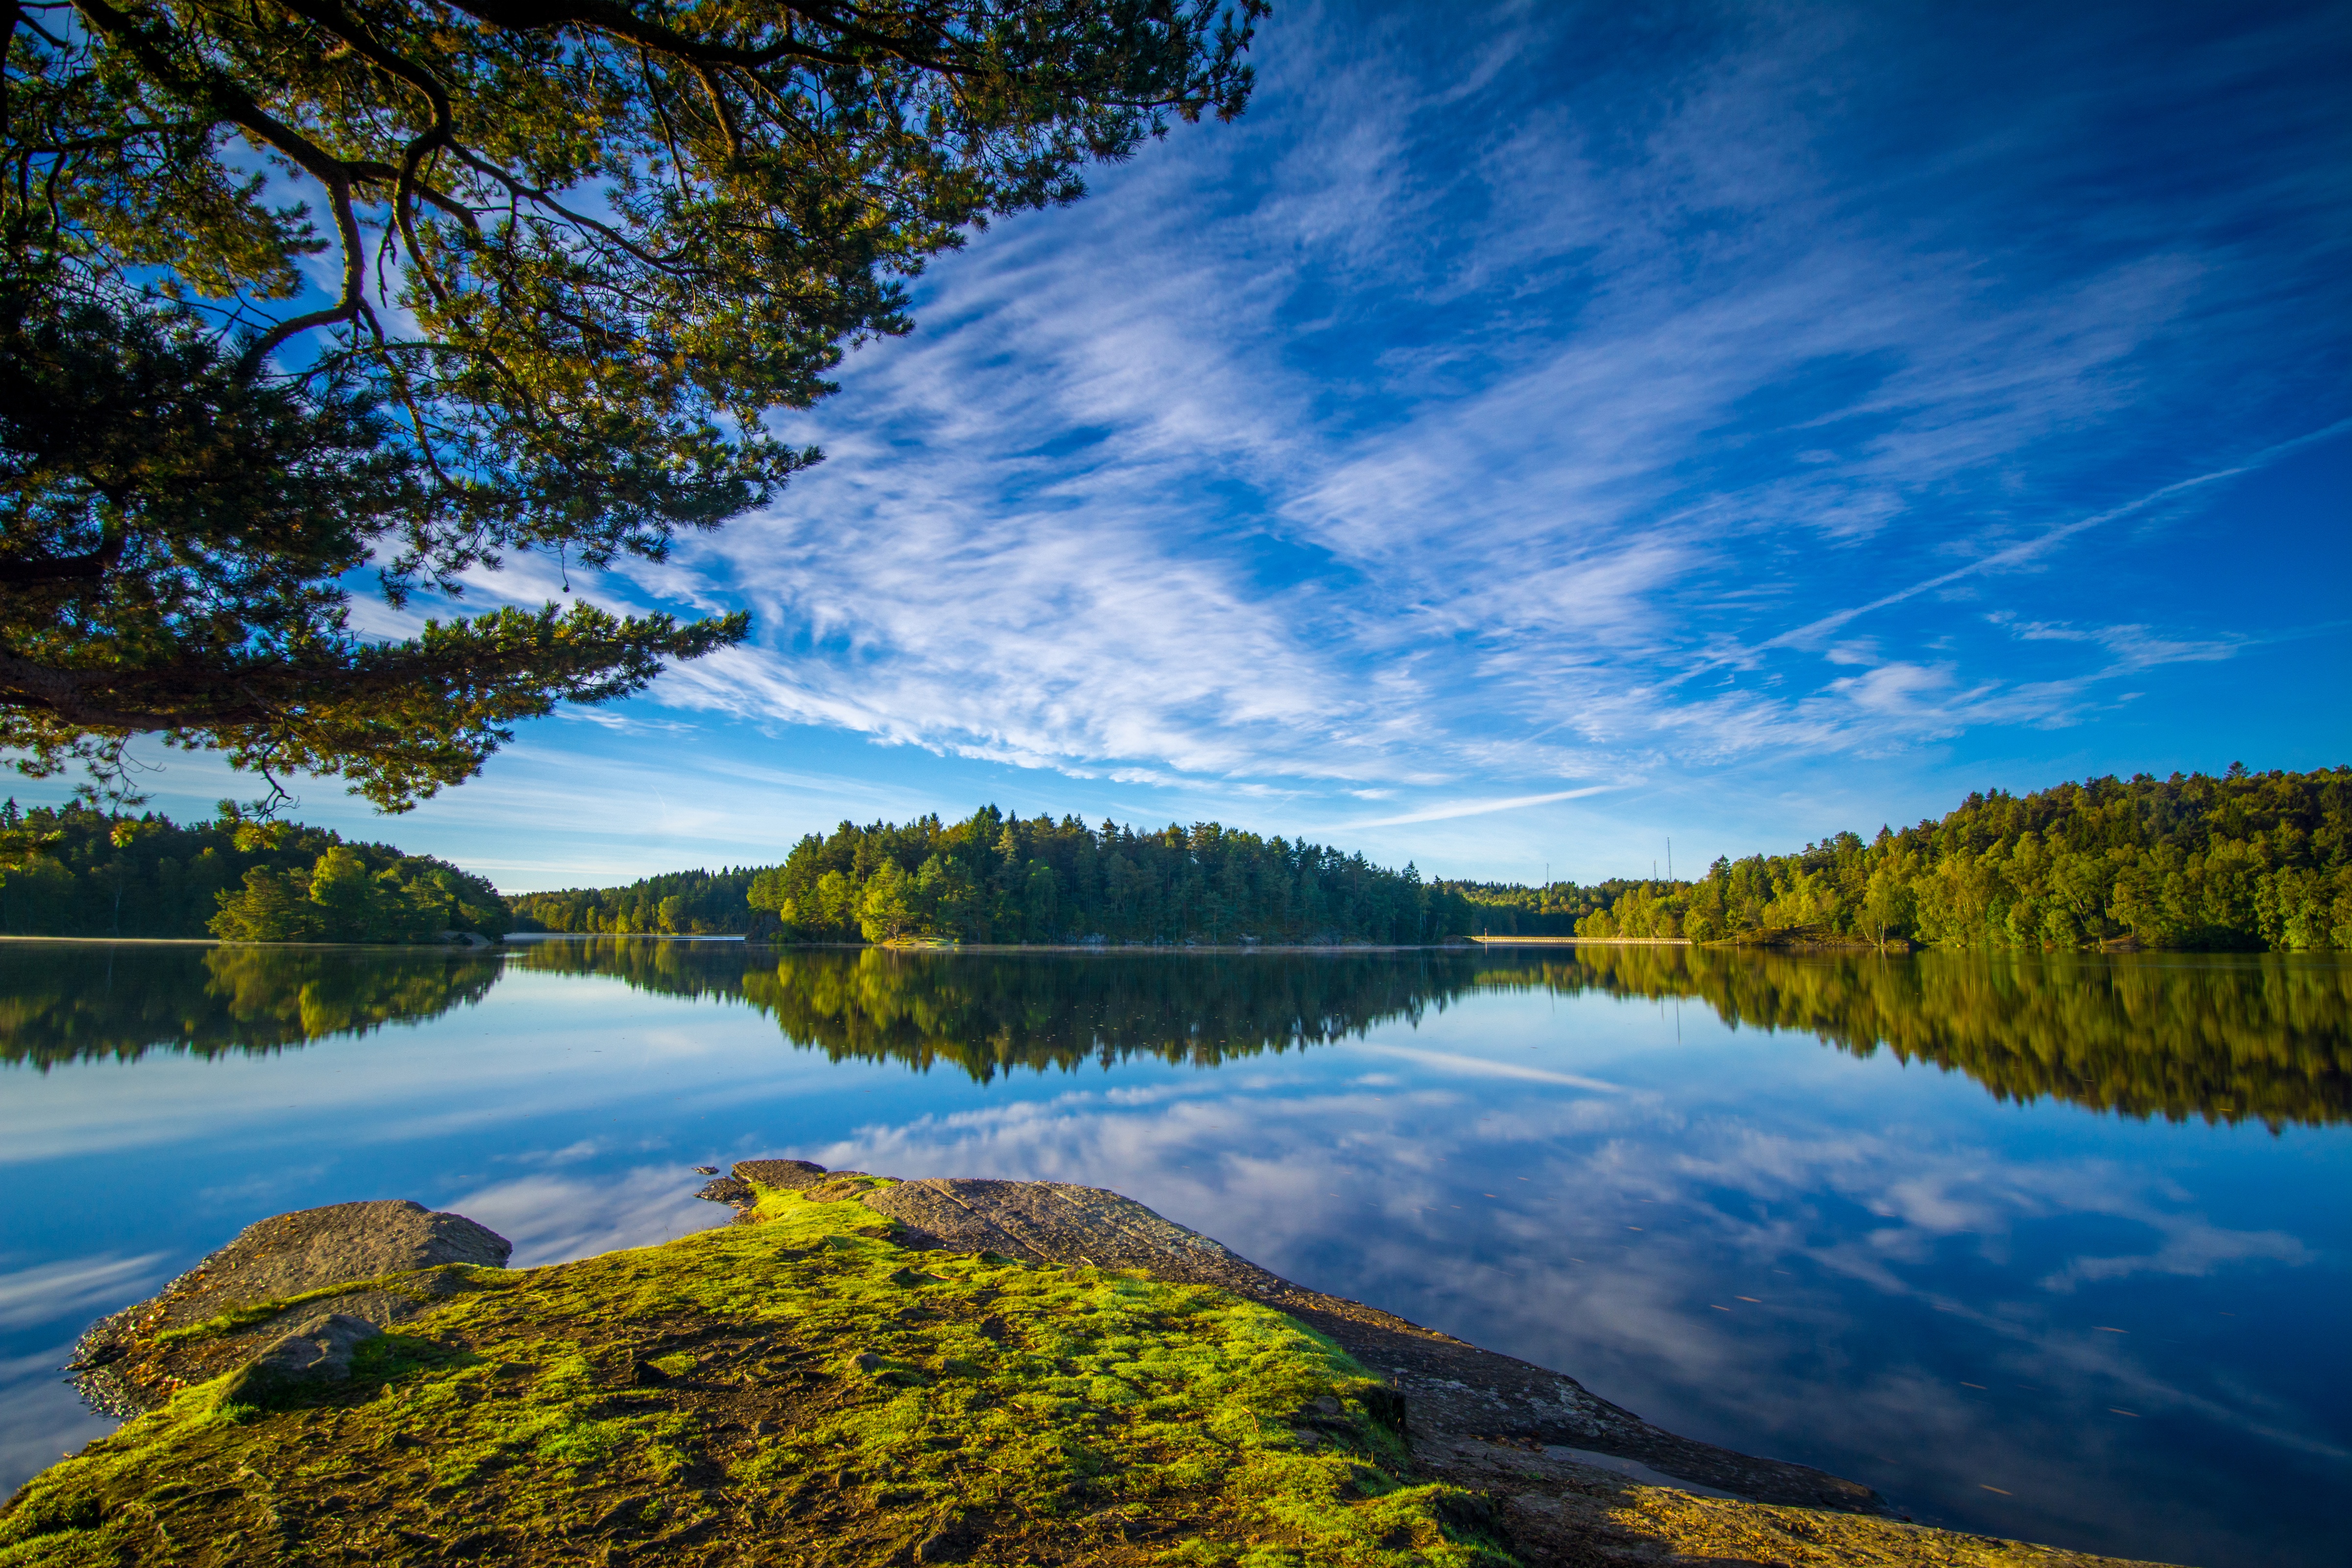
375	1261
869	1372
806	1389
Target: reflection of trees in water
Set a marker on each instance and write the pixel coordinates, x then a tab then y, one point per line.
75	1002
2267	1038
2263	1038
689	969
990	1013
2225	1038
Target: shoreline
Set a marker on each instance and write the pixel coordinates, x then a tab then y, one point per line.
865	1370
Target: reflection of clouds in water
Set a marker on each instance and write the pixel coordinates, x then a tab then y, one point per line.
1937	1191
75	1287
40	1416
571	1154
262	1188
1480	1067
1383	1198
2191	1247
553	1219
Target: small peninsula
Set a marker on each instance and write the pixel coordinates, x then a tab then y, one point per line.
863	1371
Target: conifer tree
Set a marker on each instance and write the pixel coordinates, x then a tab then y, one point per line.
576	251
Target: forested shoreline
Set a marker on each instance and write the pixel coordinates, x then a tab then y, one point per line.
676	903
2243	862
1004	880
73	870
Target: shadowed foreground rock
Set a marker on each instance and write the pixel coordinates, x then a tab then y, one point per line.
867	1373
342	1259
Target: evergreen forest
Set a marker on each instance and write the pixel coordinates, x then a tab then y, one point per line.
74	870
2244	862
677	903
994	877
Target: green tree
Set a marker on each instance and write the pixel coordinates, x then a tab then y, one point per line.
885	912
273	906
836	903
579	250
1887	904
353	905
1041	903
2245	861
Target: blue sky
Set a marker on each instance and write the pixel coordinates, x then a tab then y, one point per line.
1536	432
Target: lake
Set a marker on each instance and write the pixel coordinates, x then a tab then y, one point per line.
2045	1247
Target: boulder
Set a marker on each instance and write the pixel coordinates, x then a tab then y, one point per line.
788	1175
289	1254
319	1345
134	1359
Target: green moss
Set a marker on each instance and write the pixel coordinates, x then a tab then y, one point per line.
802	1389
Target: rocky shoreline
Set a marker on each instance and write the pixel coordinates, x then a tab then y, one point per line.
870	1371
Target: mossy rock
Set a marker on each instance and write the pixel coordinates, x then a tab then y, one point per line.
803	1390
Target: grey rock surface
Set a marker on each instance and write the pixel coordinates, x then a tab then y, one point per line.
289	1254
120	1369
1055	1222
320	1345
791	1174
1450	1387
728	1190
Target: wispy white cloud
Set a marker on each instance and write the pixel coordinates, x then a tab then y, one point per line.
1174	488
1451	809
1551	404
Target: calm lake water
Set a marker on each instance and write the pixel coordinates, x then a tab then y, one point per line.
2049	1248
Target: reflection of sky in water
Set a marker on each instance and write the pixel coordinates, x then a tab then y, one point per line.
1743	1237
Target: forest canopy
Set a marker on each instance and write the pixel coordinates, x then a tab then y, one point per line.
2244	862
998	878
76	871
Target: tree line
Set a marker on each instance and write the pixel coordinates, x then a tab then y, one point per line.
2240	862
74	870
676	903
994	877
1514	909
2244	862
